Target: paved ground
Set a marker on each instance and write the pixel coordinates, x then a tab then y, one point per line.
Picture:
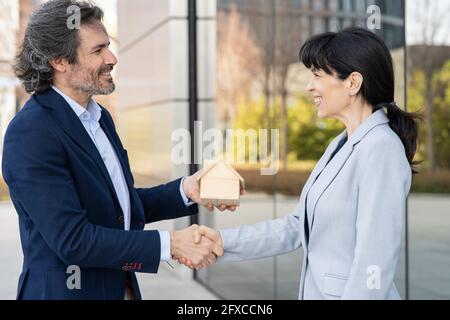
429	226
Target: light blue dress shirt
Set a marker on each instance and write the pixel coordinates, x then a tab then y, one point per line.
90	117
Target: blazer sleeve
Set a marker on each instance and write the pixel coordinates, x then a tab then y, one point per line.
164	202
261	240
35	169
383	187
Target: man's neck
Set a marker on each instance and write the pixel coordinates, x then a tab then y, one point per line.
78	96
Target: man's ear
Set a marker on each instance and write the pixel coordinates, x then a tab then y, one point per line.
59	64
354	83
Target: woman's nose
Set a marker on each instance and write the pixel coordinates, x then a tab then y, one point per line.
310	86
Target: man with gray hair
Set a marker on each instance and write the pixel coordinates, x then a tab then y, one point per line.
69	175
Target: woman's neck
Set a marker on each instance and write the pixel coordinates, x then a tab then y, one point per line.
354	115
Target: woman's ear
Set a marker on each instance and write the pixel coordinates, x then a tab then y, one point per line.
354	83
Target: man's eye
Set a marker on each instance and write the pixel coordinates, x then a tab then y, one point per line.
98	51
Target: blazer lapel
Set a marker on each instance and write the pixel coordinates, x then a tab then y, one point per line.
137	216
312	178
321	164
329	172
72	125
326	177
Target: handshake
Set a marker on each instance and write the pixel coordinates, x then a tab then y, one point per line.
196	247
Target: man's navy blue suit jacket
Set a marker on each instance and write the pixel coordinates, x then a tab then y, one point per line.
69	213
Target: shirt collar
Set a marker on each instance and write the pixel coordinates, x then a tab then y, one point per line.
93	110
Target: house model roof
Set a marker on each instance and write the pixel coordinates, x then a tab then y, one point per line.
210	164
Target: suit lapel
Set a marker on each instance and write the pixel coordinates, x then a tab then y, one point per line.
71	124
137	216
328	172
326	177
321	164
313	176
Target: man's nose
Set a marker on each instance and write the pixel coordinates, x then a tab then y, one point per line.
110	58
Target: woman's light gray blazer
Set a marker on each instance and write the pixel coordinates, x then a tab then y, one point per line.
356	215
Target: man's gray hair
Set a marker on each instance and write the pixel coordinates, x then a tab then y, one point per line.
49	36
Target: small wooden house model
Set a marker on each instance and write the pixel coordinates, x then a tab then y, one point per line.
220	183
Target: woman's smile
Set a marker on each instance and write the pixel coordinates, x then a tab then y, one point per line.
317	100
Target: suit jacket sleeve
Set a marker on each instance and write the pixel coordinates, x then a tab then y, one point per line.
383	186
164	202
35	169
261	240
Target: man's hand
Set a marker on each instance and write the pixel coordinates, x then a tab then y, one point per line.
192	190
200	254
200	234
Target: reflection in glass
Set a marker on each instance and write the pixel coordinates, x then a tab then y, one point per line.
261	84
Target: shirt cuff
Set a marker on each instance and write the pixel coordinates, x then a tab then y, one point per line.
165	246
187	202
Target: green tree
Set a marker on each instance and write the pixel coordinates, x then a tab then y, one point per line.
440	103
441	116
254	115
309	135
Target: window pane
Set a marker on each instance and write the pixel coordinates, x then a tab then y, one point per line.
261	83
429	204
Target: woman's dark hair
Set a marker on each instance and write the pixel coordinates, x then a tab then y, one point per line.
49	35
359	50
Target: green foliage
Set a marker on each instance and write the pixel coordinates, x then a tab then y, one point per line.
416	103
441	112
308	136
252	115
441	116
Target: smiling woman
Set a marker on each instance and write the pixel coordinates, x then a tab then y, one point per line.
350	216
353	77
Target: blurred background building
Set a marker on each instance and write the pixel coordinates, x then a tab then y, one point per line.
9	28
241	70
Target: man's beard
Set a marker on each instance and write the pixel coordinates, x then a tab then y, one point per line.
90	82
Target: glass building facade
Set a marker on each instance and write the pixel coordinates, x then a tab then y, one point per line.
247	74
276	30
242	71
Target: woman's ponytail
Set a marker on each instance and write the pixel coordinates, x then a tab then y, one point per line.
405	125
